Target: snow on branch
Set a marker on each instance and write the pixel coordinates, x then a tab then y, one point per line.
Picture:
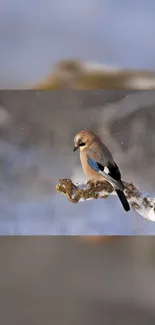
140	202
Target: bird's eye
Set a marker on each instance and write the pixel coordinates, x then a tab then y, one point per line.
82	144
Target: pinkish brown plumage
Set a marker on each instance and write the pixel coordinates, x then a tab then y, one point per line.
97	162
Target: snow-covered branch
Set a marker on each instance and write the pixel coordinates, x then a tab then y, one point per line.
140	202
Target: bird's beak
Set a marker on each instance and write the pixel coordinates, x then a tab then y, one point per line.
75	148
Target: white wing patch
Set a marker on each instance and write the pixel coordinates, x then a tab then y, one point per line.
106	170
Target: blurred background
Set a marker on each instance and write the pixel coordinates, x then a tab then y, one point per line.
36	150
36	34
64	281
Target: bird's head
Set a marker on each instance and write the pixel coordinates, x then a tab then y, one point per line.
83	140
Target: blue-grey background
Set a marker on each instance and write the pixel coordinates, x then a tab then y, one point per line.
36	141
35	34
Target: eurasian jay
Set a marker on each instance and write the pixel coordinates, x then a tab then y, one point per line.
98	164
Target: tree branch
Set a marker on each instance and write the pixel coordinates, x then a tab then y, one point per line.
140	202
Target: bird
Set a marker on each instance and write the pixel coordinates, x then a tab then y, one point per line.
98	163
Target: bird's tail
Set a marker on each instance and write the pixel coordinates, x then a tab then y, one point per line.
123	200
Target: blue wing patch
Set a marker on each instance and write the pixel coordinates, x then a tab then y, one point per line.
93	164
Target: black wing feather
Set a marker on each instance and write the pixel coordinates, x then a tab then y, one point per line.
115	174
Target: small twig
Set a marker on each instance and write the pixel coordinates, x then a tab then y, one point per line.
140	202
